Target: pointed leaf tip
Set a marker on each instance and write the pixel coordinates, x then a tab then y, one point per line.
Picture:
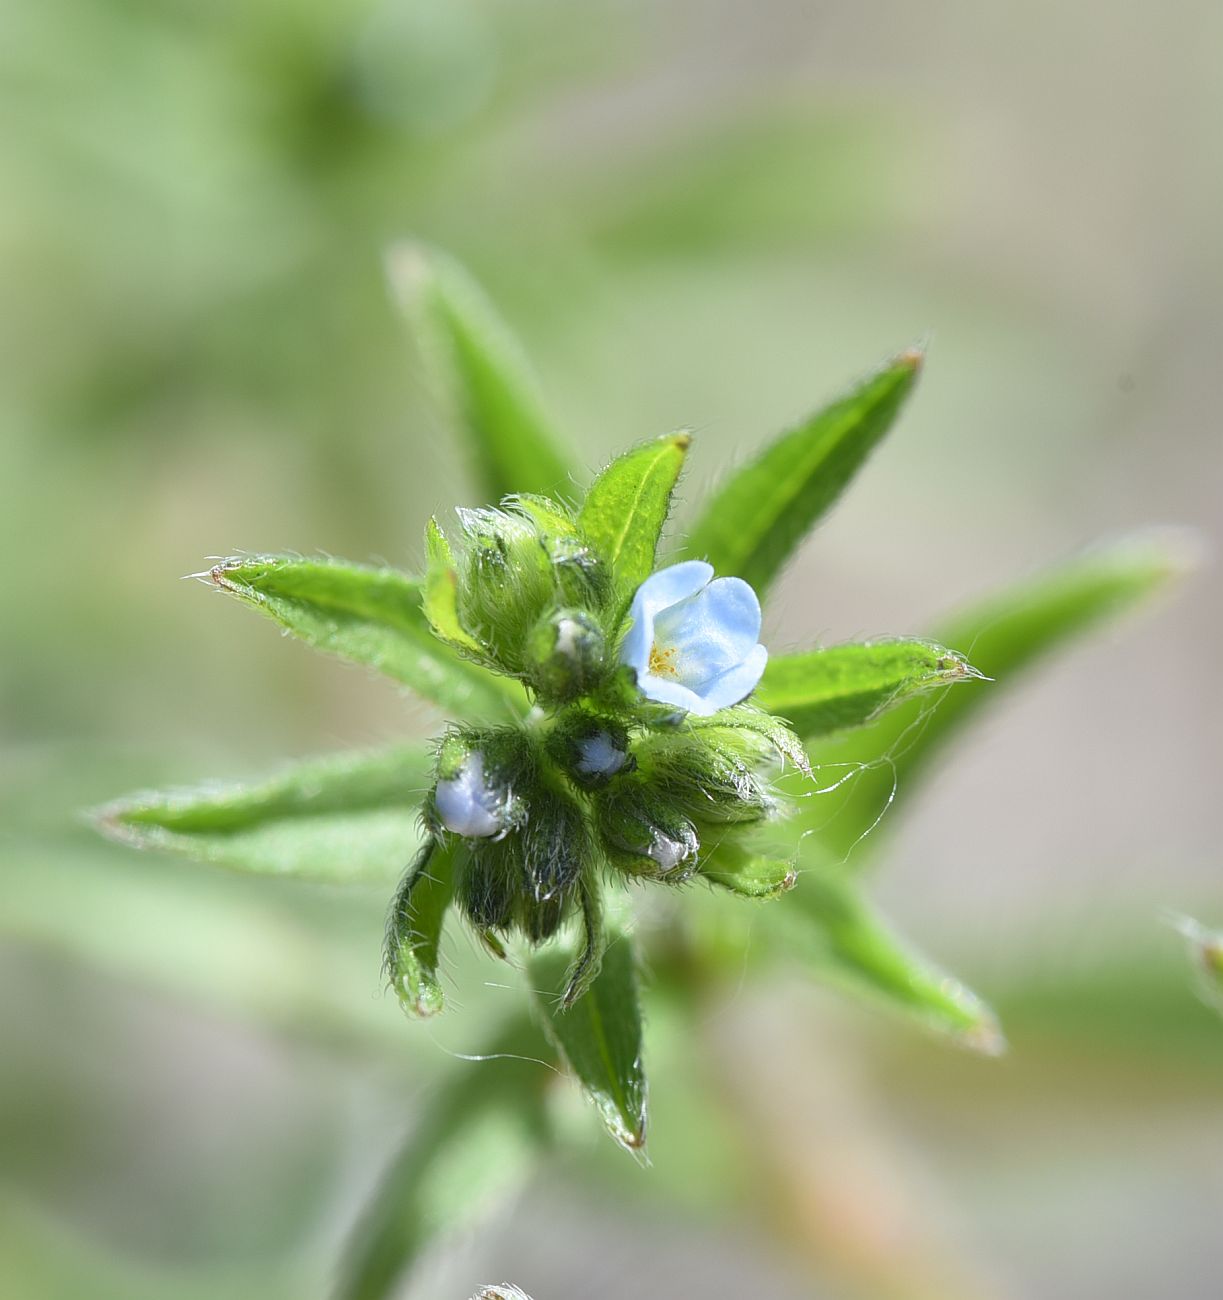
760	514
372	616
600	1035
480	371
627	505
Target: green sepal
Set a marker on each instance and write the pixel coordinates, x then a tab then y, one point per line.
600	1034
625	510
829	926
347	818
589	958
762	512
738	869
480	372
558	853
441	593
370	616
843	686
414	929
582	578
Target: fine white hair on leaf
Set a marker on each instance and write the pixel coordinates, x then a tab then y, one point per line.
501	1291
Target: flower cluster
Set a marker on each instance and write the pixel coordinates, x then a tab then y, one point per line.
638	755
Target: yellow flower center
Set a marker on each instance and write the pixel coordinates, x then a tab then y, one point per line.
662	660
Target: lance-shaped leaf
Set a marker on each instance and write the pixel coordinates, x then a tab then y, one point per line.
761	513
600	1035
751	875
371	616
353	817
875	767
480	372
414	929
471	1148
826	923
845	686
627	505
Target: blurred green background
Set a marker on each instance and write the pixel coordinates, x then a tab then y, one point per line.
708	215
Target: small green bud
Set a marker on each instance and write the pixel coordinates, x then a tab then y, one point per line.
556	849
489	882
639	822
507	581
566	654
591	748
711	780
581	576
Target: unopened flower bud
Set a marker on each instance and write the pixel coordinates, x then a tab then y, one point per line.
506	583
591	748
478	775
566	654
556	849
645	827
710	780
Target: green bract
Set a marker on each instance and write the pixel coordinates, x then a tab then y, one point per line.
559	781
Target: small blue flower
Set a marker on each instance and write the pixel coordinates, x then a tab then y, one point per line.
467	805
694	639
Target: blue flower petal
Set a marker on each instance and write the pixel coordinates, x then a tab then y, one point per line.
660	590
665	690
736	683
671	585
711	631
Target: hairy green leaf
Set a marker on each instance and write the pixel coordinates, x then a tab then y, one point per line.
481	372
880	764
751	875
414	929
600	1035
471	1148
627	505
371	616
760	514
845	686
827	924
353	817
